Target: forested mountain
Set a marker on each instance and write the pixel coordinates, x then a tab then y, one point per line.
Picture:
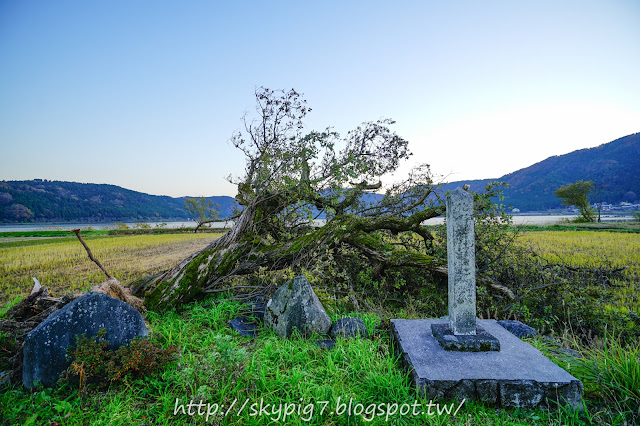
614	168
43	200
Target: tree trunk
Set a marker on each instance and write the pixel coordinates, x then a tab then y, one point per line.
241	252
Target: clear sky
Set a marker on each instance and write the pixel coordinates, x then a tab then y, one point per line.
145	94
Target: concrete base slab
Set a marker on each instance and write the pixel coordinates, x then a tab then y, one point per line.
517	375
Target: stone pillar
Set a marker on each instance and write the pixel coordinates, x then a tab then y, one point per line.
461	259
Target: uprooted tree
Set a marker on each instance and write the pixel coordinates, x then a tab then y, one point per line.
292	178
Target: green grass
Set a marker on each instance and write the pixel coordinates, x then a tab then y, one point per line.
94	232
55	233
612	371
31	241
217	366
609	371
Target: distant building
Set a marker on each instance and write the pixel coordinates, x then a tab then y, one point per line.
607	206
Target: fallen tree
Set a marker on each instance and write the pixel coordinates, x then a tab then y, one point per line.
291	179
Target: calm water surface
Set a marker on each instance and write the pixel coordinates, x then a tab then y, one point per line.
96	225
518	220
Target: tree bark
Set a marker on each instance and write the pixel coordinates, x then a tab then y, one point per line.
241	252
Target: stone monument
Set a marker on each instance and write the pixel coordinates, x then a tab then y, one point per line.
462	333
461	260
466	358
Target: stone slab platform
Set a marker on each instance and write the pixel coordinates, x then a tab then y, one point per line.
516	376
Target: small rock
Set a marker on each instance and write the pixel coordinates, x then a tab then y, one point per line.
295	306
244	326
258	309
5	378
45	347
519	329
349	327
325	344
566	352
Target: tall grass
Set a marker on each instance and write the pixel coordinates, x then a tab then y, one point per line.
612	371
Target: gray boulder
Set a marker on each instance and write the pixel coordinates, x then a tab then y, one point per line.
519	329
349	327
295	305
45	348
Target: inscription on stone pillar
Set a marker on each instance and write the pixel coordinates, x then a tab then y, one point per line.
461	259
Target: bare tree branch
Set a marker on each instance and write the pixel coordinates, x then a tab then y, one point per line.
86	247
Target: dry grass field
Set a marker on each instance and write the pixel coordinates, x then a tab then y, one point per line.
594	249
63	266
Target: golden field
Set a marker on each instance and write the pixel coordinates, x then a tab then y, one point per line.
594	249
63	265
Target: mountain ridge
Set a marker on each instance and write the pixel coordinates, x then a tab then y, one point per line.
612	166
42	200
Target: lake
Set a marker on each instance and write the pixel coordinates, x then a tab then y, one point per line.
95	225
518	220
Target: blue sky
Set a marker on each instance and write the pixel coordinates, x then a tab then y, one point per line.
146	94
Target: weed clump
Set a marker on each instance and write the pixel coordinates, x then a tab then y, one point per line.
612	371
93	362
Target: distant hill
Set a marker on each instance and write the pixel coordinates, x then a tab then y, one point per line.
44	200
613	167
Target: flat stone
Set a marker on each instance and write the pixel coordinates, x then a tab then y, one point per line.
45	347
559	350
518	375
244	326
566	352
519	329
325	344
479	342
350	327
